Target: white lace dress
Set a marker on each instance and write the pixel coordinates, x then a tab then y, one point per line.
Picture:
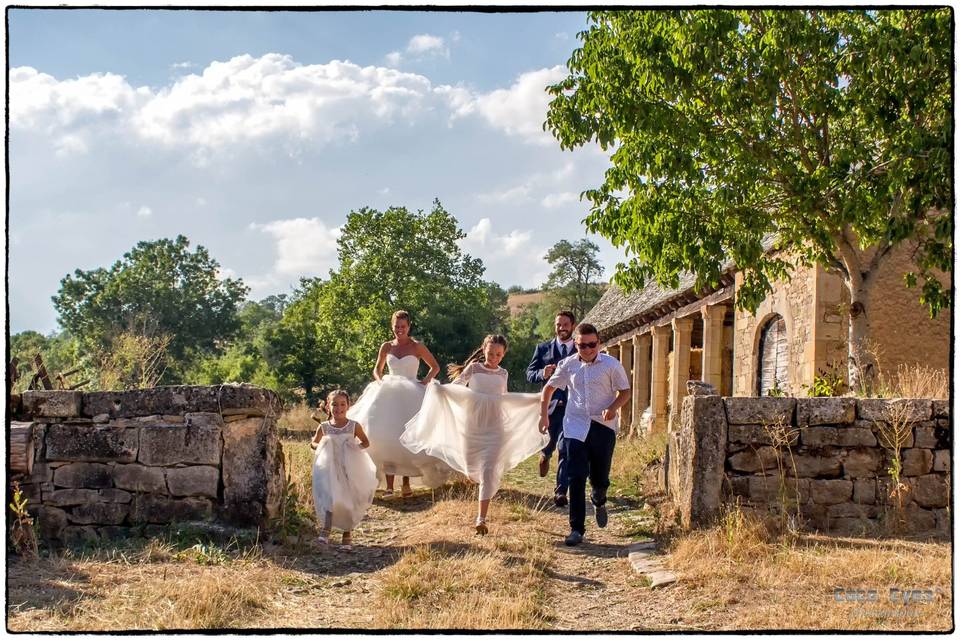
383	409
476	427
344	477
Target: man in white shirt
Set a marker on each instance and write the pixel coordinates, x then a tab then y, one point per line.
597	386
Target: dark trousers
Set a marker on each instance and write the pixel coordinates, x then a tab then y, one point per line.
556	438
588	459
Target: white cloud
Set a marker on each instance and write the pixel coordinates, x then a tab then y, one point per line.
521	109
483	242
144	212
305	246
554	200
69	145
426	44
241	100
510	257
561	35
384	191
394	58
182	65
519	193
546	187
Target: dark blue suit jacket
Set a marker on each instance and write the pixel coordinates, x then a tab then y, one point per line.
545	353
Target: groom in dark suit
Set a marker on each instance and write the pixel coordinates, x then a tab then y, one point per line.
545	359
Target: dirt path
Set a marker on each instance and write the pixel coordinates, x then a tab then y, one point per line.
587	588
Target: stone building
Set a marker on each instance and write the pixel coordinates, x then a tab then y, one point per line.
665	337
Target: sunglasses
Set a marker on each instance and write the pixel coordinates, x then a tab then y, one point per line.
587	345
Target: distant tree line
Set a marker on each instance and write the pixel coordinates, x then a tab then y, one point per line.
163	315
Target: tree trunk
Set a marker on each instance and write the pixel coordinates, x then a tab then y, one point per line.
21	447
861	362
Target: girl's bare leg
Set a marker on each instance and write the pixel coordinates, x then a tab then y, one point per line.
389	491
405	487
481	525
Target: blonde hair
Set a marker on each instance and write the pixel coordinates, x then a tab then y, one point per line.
399	314
454	370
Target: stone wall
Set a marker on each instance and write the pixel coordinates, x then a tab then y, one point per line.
899	324
824	458
114	464
793	299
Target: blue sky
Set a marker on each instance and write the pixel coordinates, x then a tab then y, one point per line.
255	133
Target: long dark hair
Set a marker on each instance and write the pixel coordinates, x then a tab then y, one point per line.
454	370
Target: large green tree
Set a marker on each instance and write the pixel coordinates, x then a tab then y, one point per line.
158	288
401	259
830	129
572	283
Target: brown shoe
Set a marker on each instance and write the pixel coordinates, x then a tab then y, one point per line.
544	465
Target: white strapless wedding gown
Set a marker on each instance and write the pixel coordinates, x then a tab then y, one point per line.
383	409
479	430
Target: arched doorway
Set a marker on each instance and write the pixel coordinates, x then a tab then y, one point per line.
772	356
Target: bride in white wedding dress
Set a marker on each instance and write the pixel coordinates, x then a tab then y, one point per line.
390	401
475	426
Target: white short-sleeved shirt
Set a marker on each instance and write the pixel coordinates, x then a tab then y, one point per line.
591	388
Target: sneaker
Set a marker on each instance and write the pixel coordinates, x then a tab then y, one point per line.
573	539
601	513
560	499
322	539
481	527
388	493
544	465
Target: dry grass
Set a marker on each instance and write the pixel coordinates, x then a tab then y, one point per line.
762	580
917	381
451	579
632	459
156	587
296	419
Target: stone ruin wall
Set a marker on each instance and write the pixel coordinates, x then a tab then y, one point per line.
834	471
109	465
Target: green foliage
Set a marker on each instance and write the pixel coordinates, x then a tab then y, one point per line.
831	129
523	337
398	259
572	281
23	534
827	382
59	352
158	288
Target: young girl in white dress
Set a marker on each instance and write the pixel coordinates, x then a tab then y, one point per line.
344	476
390	400
475	426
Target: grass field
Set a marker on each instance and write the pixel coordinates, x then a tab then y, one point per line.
417	563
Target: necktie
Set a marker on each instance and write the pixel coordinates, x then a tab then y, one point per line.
563	351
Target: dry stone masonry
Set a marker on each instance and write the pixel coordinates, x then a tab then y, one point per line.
114	464
827	459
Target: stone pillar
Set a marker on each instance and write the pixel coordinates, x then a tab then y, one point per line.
697	453
713	345
641	376
626	411
658	375
682	332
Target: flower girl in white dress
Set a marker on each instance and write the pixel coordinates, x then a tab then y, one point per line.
344	476
475	426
